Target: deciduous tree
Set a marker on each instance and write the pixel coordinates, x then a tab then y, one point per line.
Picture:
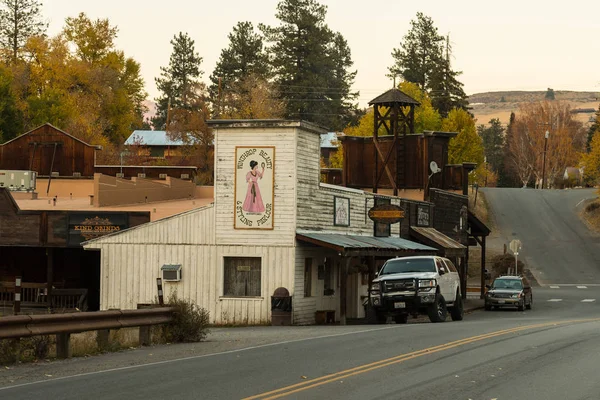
467	145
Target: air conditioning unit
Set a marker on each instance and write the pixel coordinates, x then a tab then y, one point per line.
162	176
141	175
185	176
171	272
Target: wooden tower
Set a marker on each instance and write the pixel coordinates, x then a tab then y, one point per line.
394	111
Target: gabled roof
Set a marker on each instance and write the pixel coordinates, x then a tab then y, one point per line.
394	96
97	147
152	138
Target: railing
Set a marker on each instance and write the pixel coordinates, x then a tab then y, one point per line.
36	295
63	325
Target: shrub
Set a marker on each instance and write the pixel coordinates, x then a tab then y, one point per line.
592	206
36	347
501	263
190	322
9	351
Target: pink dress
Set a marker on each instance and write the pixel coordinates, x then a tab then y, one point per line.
253	202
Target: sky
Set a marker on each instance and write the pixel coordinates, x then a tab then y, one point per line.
499	46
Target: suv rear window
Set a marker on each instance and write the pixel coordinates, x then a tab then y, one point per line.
400	265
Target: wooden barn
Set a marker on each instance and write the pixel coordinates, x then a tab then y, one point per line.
49	151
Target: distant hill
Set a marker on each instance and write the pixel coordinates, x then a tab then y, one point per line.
489	105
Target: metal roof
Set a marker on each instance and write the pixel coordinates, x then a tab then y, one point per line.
394	96
355	244
152	138
437	239
329	140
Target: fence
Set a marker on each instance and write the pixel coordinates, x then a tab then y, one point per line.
35	295
63	325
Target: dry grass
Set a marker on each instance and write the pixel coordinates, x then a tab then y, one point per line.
590	215
479	206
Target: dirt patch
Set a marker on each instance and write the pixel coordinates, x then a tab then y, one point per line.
590	215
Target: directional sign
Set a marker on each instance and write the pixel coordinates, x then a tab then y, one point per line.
515	246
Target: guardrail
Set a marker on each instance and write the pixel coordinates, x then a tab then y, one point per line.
63	325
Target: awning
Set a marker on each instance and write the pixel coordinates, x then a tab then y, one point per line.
355	245
431	236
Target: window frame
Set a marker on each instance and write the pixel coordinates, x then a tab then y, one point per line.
223	275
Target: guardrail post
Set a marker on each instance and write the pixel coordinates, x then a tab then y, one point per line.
63	345
17	302
102	338
161	300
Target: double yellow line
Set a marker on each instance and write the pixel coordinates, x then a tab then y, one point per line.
309	384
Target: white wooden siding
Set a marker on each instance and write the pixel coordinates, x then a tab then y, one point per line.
284	215
191	227
315	201
129	272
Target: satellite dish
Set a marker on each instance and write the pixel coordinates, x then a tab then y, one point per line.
434	167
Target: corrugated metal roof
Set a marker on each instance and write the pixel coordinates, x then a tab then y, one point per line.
152	138
438	237
342	242
394	96
329	140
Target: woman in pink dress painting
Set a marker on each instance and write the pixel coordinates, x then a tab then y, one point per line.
253	202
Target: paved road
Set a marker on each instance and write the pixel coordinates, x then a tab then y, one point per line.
557	246
549	352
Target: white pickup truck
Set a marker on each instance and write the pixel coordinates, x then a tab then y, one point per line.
416	285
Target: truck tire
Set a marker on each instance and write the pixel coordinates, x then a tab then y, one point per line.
457	311
401	319
381	318
438	312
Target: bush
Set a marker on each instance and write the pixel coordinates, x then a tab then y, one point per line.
190	322
501	263
9	351
592	206
36	347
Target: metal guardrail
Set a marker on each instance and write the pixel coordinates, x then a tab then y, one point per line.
63	325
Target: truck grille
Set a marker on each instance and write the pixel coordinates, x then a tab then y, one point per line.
502	295
399	285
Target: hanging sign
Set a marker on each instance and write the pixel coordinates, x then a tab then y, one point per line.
386	213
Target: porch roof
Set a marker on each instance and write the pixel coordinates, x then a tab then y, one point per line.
431	236
355	245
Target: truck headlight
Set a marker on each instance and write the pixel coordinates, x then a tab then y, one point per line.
517	295
427	283
375	287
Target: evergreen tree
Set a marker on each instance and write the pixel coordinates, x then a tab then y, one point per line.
424	58
10	118
19	20
493	143
549	94
179	82
594	128
507	177
311	65
244	57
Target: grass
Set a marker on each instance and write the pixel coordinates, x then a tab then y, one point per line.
591	215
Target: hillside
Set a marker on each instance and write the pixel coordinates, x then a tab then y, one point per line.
488	105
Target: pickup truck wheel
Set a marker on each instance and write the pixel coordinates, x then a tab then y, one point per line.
438	312
381	318
401	319
457	311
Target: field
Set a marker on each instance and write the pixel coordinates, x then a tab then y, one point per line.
489	105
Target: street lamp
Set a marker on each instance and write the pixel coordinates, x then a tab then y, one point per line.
544	163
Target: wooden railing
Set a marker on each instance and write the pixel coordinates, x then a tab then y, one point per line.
35	295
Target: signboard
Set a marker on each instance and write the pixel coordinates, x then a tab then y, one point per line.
423	215
86	226
341	209
515	246
254	187
386	213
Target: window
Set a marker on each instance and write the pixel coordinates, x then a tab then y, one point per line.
242	276
307	277
328	289
399	265
451	266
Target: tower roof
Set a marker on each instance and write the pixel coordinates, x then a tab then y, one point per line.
394	96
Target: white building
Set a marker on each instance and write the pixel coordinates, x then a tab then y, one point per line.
269	227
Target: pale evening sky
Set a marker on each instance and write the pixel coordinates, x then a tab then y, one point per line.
508	45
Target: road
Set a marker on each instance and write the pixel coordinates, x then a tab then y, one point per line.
549	352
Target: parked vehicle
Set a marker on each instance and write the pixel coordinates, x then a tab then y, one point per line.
509	291
416	285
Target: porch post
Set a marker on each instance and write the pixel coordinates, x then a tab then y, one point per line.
343	288
482	295
49	275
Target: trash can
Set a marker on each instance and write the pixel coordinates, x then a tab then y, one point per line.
281	307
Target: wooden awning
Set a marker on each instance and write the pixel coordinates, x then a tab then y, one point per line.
446	246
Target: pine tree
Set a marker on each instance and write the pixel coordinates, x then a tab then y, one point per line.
424	58
179	82
311	64
19	20
594	128
243	58
10	118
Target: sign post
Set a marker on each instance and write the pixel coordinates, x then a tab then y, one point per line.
515	247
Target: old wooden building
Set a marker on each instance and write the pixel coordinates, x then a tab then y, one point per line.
44	248
49	151
272	225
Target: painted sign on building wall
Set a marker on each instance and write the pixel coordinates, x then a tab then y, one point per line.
85	226
254	187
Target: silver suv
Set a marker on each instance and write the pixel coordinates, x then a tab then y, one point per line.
416	285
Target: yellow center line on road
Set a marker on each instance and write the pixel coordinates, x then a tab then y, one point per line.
309	384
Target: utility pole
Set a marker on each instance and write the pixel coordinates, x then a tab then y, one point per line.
544	162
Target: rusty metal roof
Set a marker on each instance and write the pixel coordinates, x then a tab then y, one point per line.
357	244
437	239
394	96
